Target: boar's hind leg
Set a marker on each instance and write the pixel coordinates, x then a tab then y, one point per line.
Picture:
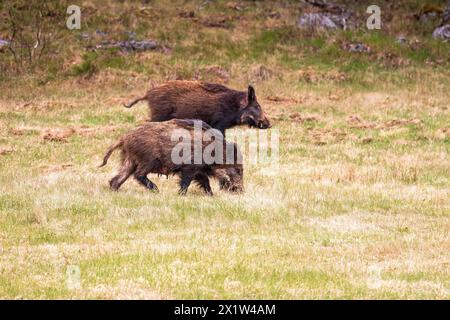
125	171
146	182
203	181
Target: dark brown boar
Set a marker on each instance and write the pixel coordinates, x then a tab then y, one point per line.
215	104
148	149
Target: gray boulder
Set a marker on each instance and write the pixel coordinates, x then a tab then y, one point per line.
316	21
133	45
128	46
356	47
330	19
442	32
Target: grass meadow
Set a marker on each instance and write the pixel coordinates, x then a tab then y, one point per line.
358	207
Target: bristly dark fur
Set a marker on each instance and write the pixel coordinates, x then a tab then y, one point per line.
147	149
217	105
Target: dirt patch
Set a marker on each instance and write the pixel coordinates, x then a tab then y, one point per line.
297	117
336	95
262	73
357	47
323	136
392	60
5	150
89	131
16	131
20	131
310	75
401	122
187	14
62	134
220	21
280	99
57	135
213	74
44	106
356	122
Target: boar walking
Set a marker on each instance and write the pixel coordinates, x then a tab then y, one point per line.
152	148
217	105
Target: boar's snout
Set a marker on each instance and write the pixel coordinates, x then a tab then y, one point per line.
231	179
233	187
264	124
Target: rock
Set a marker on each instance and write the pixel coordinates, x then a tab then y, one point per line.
100	33
428	16
320	15
139	45
442	32
328	7
401	39
129	46
320	21
316	21
434	12
310	75
274	15
442	134
446	16
85	35
356	47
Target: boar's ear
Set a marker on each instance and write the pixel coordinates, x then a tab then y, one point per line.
251	94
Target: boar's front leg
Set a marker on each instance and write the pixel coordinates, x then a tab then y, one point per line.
146	182
203	181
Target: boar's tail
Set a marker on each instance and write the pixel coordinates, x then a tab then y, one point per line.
132	103
110	151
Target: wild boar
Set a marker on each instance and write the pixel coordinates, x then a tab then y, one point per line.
178	147
215	104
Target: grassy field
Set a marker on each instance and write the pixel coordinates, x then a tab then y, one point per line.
358	207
